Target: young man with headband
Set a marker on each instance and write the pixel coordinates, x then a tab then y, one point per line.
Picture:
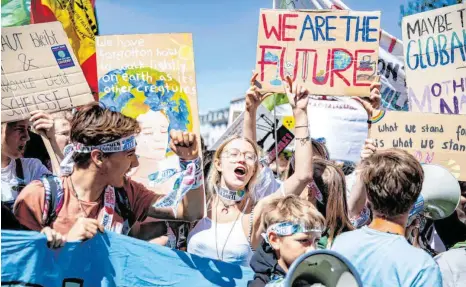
95	195
293	227
392	180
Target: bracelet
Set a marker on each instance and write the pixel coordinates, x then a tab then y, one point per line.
369	121
304	140
297	127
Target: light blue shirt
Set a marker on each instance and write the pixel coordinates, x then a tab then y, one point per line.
385	259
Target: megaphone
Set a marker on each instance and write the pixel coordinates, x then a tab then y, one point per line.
324	267
440	194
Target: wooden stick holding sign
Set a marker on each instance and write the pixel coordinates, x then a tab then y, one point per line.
43	124
55	162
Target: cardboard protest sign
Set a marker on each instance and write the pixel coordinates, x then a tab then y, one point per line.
391	57
431	138
151	77
329	52
39	72
435	60
265	132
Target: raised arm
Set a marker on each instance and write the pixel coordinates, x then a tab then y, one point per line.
358	196
253	100
298	98
192	205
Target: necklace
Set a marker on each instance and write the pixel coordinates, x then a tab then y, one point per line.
231	230
81	209
226	207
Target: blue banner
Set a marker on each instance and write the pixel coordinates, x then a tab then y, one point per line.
109	259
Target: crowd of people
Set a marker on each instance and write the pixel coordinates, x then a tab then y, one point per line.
240	208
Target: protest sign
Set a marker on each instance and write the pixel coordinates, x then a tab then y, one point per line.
431	138
328	52
265	133
435	61
39	72
109	259
391	58
150	77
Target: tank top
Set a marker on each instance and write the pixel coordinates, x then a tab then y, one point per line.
235	248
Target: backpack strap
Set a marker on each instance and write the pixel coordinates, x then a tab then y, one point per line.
19	169
20	174
122	206
54	197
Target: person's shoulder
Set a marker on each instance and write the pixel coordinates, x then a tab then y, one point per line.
451	255
415	256
32	189
35	167
346	238
32	195
135	190
32	162
132	186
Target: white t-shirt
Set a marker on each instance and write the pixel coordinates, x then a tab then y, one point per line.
33	169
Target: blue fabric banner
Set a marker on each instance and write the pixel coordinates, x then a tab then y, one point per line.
109	259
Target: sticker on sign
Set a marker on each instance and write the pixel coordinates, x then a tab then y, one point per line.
39	72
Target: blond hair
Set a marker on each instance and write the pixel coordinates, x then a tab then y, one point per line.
293	209
215	175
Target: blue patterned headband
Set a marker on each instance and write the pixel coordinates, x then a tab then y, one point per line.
289	228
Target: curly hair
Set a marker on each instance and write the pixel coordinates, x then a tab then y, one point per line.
95	125
393	181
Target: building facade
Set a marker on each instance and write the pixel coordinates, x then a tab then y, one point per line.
213	125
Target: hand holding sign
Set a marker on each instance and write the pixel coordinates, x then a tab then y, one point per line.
253	95
54	239
374	101
43	122
298	95
84	228
184	144
368	149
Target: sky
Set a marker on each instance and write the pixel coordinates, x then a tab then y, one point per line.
224	35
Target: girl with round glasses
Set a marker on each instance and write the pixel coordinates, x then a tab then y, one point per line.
232	228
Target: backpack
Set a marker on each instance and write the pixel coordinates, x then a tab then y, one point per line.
54	197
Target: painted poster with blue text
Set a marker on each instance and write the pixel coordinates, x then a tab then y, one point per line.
151	77
435	60
328	52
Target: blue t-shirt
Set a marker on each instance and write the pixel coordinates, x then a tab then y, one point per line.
385	259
